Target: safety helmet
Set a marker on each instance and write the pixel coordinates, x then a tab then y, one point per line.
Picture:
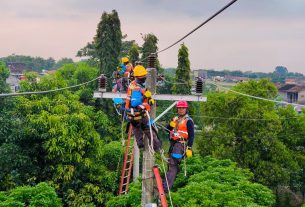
125	59
139	70
182	104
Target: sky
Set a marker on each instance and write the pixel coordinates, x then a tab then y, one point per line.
251	35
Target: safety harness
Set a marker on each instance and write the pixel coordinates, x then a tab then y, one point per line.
138	105
180	133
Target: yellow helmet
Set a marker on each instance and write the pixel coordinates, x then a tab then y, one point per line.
139	70
125	59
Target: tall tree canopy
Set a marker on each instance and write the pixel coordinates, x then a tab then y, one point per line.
133	53
4	74
149	46
209	182
182	78
256	134
108	42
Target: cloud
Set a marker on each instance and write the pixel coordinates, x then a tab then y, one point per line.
250	35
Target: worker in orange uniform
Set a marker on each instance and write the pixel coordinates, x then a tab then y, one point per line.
138	101
122	76
181	136
127	68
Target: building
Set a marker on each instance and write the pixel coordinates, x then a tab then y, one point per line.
293	93
235	79
203	74
16	74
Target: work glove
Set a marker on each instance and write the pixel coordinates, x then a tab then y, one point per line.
173	122
151	101
189	152
147	94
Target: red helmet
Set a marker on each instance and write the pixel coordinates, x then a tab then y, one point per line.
182	104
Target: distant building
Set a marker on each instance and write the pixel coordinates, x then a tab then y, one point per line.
200	73
16	74
290	81
293	93
17	68
218	78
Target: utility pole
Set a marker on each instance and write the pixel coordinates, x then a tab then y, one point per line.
148	158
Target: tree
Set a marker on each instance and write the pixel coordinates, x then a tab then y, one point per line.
62	141
108	42
183	72
281	70
279	74
62	62
4	74
248	131
209	182
133	53
33	63
218	183
126	46
150	46
41	195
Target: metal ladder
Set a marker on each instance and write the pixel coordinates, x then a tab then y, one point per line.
127	164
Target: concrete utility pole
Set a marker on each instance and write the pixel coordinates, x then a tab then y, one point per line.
148	158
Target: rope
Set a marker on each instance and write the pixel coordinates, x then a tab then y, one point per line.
151	145
169	192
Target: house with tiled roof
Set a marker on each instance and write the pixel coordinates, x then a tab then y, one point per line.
16	74
293	93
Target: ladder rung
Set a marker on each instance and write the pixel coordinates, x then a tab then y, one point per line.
125	184
126	176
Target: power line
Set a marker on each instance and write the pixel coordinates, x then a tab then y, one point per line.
260	98
43	92
203	23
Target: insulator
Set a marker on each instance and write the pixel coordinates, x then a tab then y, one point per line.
199	86
152	61
102	83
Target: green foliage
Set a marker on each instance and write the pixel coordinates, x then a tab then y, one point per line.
183	72
281	70
212	182
108	42
255	134
150	46
59	141
33	63
4	74
133	53
126	46
132	199
62	62
209	182
40	195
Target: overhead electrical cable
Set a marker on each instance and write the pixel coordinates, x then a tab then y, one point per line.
48	91
260	98
203	23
